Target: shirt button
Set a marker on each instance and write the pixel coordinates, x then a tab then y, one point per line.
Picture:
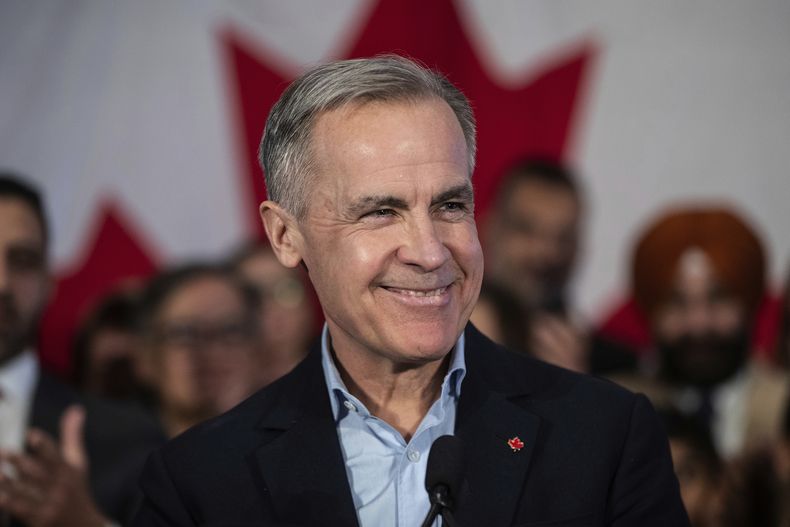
413	455
350	406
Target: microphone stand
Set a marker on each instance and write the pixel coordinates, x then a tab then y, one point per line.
447	518
440	504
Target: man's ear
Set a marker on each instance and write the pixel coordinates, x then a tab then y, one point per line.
283	232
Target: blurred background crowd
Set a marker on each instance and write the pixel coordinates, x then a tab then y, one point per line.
631	196
197	338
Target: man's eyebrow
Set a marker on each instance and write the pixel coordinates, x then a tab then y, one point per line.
366	204
461	192
369	203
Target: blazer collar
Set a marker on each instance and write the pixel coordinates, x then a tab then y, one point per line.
300	457
487	419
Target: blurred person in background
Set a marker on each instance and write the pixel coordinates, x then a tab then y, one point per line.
64	460
287	312
500	316
200	343
532	241
698	276
107	347
698	467
757	486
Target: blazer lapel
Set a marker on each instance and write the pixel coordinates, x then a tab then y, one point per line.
487	420
301	461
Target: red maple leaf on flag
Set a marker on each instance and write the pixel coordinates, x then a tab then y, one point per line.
115	253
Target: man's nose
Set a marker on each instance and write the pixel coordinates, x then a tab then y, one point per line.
548	248
422	246
699	318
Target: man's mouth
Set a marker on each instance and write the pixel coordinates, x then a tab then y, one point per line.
417	293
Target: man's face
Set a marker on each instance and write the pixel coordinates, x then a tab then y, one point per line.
205	361
111	355
701	329
532	241
389	237
23	276
286	314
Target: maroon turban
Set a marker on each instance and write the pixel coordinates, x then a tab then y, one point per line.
733	248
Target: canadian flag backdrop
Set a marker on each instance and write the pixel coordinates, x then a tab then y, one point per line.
140	120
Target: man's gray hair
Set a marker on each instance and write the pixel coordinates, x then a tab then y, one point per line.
285	152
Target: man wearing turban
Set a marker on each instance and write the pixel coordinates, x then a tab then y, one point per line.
699	276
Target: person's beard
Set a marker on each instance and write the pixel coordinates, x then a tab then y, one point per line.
703	361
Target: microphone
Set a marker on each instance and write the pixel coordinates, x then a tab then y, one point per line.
443	478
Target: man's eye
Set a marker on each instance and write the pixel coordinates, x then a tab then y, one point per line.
380	213
454	206
23	260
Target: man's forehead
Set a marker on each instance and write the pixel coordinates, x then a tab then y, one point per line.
396	104
19	223
694	264
535	192
696	274
388	148
369	114
207	295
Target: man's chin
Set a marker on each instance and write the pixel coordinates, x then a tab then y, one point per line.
426	349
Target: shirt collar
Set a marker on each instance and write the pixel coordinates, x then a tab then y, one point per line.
18	376
338	393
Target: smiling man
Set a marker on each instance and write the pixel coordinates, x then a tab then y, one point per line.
368	165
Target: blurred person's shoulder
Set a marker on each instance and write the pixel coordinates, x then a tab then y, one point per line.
106	419
536	383
247	426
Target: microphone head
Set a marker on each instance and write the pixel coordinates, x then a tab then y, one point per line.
445	464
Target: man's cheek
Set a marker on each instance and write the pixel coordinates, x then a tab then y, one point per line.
729	318
366	256
28	296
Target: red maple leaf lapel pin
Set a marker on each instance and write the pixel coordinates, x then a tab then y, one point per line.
515	443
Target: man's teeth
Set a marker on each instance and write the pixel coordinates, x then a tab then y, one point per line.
412	292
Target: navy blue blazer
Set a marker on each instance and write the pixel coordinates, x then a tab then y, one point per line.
594	454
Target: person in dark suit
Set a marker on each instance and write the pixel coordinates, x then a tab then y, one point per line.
64	459
368	166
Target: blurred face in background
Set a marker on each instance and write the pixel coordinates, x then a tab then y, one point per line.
107	347
111	359
24	282
701	328
287	319
532	242
204	358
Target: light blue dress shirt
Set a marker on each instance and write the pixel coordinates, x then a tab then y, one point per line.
386	474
